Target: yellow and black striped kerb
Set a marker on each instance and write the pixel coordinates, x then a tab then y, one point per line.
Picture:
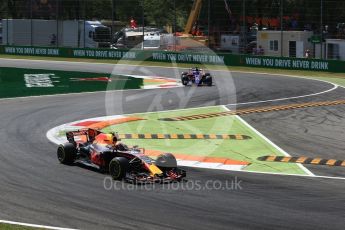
304	160
185	136
255	110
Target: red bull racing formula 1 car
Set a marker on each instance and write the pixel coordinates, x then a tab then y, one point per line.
196	76
103	151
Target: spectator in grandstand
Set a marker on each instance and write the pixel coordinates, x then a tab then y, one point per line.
307	27
258	50
307	53
261	50
294	24
53	39
133	23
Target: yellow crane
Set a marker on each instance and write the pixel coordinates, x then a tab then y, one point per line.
193	16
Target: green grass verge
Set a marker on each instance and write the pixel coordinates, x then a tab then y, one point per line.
17	227
244	150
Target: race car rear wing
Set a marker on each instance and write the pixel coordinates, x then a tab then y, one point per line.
89	133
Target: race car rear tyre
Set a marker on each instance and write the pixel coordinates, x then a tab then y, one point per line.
66	153
118	167
166	161
184	79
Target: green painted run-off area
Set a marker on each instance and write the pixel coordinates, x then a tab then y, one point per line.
16	82
242	150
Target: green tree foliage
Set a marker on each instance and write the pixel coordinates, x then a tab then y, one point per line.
162	12
156	12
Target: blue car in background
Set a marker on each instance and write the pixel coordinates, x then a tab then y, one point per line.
196	76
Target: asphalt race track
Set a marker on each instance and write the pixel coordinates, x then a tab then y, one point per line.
35	188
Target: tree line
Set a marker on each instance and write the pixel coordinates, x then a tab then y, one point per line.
155	12
169	12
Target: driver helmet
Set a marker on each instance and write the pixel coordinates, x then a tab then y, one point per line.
104	138
108	139
92	134
114	139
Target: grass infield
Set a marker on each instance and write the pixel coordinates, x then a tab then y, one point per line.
242	150
17	227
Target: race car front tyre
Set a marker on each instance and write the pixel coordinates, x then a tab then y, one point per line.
66	153
166	161
208	80
118	167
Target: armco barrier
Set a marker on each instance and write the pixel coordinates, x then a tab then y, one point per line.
181	57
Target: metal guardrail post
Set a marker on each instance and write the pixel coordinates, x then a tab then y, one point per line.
281	28
143	21
175	22
57	24
8	9
31	26
244	26
112	19
321	28
209	23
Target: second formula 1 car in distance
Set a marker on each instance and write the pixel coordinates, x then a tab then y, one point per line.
196	76
104	152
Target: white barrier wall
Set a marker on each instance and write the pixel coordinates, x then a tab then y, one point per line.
43	32
38	32
16	32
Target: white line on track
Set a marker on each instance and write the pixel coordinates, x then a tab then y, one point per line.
33	225
307	171
310	174
289	98
51	137
51	132
287	174
81	93
335	86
